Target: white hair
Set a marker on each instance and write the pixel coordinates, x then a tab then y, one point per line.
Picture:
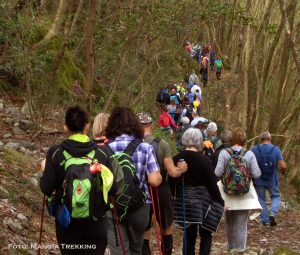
212	127
185	120
192	137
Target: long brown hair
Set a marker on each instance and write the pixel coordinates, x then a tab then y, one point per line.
123	121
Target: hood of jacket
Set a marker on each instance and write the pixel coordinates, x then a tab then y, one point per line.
78	145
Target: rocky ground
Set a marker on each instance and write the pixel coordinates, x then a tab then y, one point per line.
23	144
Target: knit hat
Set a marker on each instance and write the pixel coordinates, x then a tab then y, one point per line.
212	127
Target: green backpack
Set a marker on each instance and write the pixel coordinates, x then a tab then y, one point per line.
82	190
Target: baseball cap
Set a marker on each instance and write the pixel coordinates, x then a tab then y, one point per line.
144	118
198	119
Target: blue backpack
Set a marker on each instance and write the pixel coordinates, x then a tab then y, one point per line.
266	162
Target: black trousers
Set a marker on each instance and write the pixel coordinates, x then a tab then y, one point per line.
191	237
82	238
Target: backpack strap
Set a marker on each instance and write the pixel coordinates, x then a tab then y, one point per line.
230	151
241	152
272	149
68	156
155	142
269	152
130	149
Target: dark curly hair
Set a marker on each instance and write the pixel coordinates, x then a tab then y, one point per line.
76	118
123	121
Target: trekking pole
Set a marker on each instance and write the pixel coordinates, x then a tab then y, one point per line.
160	221
41	225
183	215
118	228
155	222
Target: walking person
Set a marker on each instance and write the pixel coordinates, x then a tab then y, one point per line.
269	158
225	138
196	190
124	127
165	121
239	204
219	67
165	206
84	233
99	126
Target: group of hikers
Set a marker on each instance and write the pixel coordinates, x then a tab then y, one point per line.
179	100
105	190
207	59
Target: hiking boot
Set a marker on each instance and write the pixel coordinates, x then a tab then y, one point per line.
272	220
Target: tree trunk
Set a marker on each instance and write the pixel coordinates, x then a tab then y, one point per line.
57	24
89	53
276	106
289	33
79	9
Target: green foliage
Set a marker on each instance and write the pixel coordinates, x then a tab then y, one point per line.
68	72
17	160
284	251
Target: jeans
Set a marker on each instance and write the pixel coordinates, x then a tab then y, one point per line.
191	236
275	201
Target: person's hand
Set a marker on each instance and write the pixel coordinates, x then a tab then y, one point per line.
42	165
284	171
226	208
182	165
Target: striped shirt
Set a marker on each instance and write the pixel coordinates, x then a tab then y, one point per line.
143	158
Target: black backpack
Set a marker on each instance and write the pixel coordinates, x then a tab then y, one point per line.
129	196
162	97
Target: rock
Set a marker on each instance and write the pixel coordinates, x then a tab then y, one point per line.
27	109
1	144
1	107
28	145
38	175
7	135
263	240
4	201
3	193
34	182
13	110
250	252
19	131
9	121
26	124
21	217
14	226
12	146
45	149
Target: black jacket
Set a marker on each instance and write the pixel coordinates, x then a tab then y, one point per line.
203	202
200	208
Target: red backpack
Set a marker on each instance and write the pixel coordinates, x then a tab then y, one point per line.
164	120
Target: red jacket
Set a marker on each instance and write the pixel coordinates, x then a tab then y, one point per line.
165	115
